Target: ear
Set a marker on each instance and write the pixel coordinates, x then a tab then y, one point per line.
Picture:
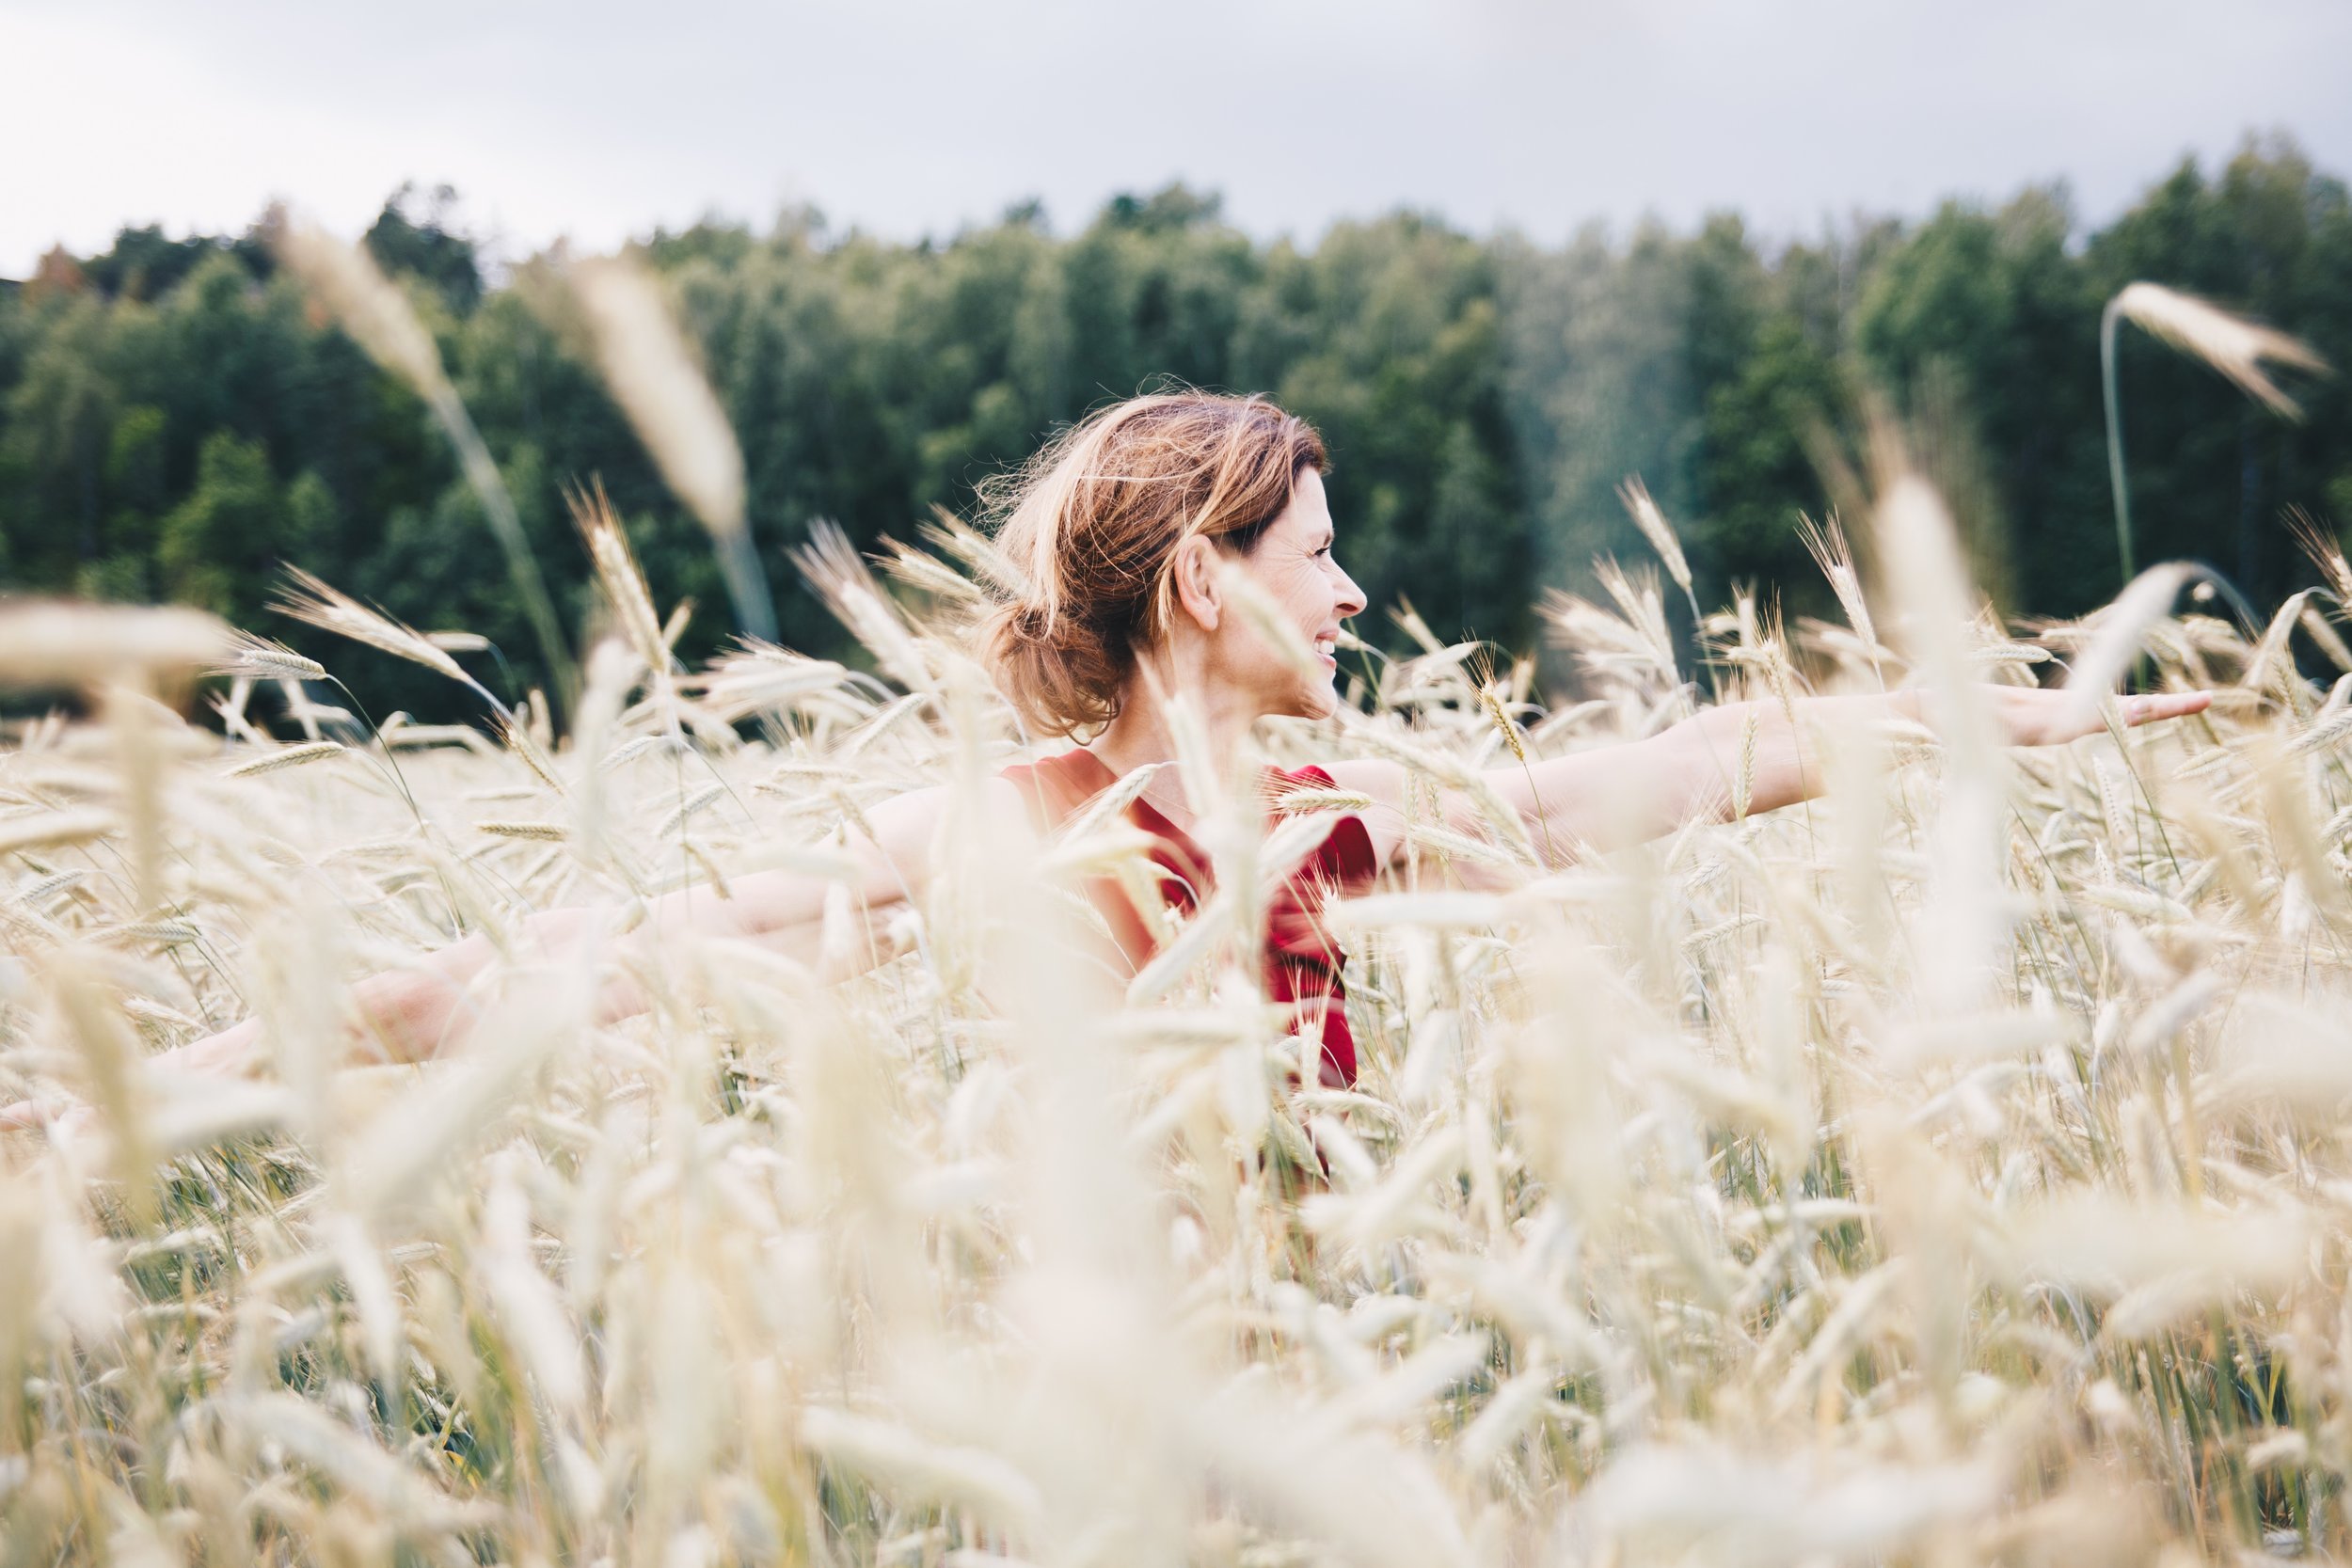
1196	573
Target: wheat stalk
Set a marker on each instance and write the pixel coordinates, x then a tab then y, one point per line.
1826	543
258	658
287	756
370	308
654	375
1661	534
317	604
552	832
56	645
2229	343
48	830
624	583
1743	783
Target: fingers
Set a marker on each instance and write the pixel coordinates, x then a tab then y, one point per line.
27	1115
2164	705
63	1121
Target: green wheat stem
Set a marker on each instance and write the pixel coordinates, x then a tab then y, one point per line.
2116	480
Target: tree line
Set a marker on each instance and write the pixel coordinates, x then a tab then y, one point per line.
177	419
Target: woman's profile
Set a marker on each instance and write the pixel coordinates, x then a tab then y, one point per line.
1177	569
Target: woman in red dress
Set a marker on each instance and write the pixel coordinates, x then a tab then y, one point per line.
1180	548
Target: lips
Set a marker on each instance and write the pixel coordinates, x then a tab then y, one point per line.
1327	647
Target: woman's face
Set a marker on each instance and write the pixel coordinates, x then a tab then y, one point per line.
1293	564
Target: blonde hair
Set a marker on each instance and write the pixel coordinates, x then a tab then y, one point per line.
1092	521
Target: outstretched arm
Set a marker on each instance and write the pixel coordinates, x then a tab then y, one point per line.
1693	770
1614	796
417	1012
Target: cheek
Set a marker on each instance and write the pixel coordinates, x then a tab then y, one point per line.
1306	591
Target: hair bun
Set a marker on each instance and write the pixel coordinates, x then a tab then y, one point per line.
1060	671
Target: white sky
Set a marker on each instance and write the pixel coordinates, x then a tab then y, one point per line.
904	117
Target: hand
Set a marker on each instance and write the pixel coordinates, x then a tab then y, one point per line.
66	1117
228	1053
2037	716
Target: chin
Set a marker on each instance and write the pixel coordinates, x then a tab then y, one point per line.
1317	703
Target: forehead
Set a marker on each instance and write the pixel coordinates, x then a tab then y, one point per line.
1310	511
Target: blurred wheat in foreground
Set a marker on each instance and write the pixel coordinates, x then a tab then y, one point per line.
1705	1203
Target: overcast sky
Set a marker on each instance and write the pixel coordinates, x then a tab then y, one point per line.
601	120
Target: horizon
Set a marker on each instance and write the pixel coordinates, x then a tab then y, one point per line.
1496	115
494	256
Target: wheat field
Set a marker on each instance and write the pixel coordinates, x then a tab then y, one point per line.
1953	1169
1824	1186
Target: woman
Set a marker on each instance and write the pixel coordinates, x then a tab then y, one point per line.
1173	544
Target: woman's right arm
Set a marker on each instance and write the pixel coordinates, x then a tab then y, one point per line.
413	1013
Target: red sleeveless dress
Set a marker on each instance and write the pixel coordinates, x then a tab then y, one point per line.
1303	962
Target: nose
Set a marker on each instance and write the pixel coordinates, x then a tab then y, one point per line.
1351	597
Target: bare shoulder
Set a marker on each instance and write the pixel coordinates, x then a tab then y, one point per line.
910	831
913	816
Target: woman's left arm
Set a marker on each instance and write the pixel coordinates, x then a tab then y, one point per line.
1614	796
1619	794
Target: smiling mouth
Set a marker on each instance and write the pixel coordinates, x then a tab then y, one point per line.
1326	649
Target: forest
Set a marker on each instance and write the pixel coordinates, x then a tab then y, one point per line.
178	421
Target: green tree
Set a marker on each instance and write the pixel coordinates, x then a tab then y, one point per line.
175	419
1756	466
2211	473
413	235
221	546
1982	327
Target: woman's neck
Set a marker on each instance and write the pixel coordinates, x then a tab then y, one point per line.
1145	731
